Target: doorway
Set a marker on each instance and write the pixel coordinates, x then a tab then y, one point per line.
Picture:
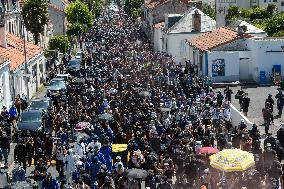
244	69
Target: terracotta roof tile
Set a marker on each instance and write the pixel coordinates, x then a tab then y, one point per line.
159	25
55	7
15	50
151	4
3	59
215	38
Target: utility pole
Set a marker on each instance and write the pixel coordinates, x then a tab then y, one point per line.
26	64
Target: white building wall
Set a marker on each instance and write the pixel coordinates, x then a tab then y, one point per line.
5	94
265	54
279	4
158	41
231	59
176	45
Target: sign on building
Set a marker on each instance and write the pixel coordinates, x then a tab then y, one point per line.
218	67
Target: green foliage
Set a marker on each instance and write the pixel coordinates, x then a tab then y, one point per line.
258	13
75	29
271	9
35	17
136	12
275	24
208	10
78	12
60	42
279	34
96	6
261	24
233	12
133	7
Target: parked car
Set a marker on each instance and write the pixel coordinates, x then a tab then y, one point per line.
73	66
55	86
31	120
40	104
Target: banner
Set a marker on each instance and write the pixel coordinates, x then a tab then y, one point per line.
218	67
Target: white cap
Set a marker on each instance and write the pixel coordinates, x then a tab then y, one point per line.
242	120
80	163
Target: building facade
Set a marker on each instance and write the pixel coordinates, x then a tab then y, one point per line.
5	95
232	56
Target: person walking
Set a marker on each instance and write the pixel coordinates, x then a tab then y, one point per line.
5	146
280	102
245	103
20	153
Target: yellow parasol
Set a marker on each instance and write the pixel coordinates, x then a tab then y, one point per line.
119	147
232	160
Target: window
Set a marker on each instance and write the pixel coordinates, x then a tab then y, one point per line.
282	3
264	1
274	0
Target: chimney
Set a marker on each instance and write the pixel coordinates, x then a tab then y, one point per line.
3	41
241	29
196	21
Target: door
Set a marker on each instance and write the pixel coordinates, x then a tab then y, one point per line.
244	69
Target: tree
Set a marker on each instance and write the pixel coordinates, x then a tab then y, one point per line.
271	9
96	6
258	13
35	17
233	12
75	29
60	42
133	7
208	10
78	12
275	24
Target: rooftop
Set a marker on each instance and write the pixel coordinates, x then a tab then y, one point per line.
215	38
151	4
185	24
3	59
251	29
15	50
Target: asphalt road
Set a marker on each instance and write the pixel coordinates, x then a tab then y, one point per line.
257	96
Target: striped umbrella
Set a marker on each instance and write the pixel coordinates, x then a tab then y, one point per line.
232	160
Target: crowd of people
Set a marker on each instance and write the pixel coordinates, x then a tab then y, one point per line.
165	113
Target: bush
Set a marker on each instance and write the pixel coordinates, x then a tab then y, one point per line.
258	13
275	24
60	42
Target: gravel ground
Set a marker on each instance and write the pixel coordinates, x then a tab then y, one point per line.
257	96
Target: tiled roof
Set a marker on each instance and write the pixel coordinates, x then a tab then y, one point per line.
3	59
150	4
153	3
159	25
15	50
55	7
215	38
